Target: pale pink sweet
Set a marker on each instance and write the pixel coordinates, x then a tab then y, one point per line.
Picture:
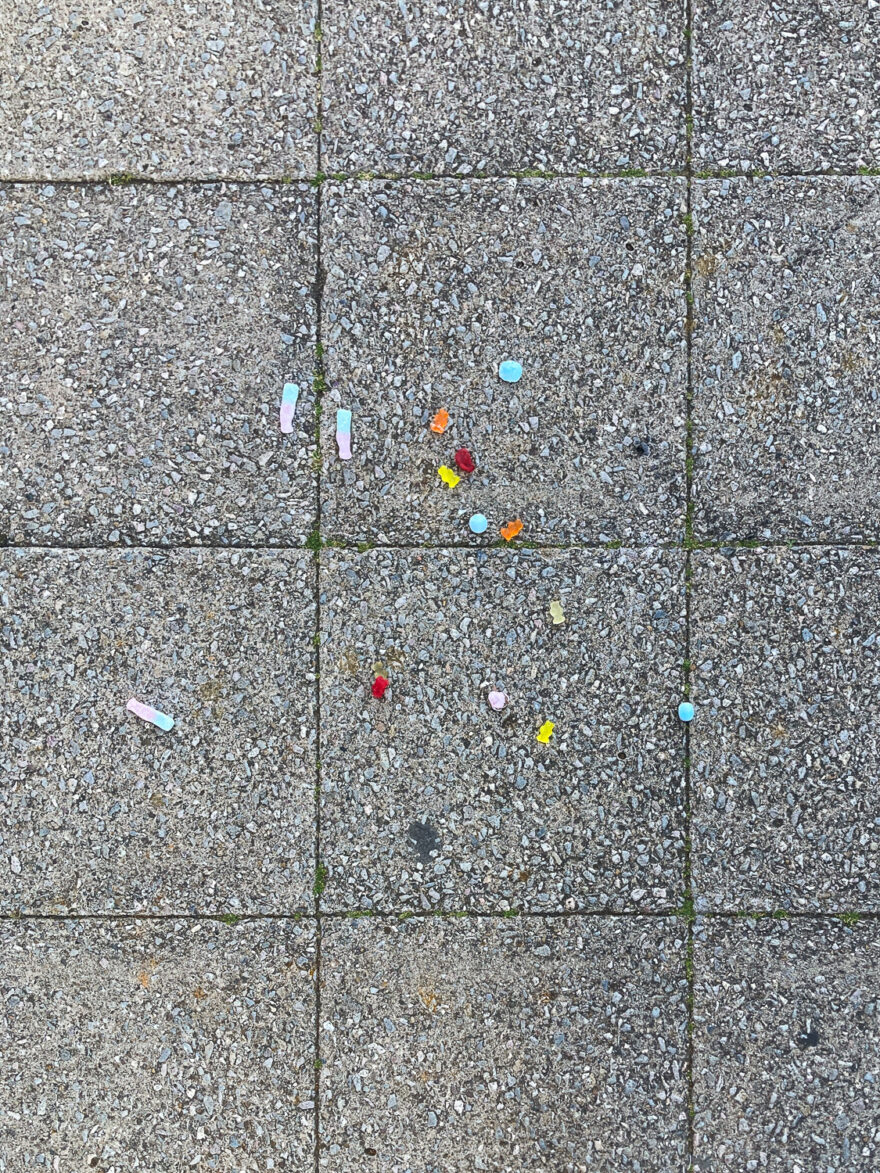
148	713
497	700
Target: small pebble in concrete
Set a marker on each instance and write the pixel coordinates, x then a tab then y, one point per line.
510	372
478	523
148	713
686	711
289	398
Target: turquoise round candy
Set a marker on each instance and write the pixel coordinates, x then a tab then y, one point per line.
510	372
478	524
686	711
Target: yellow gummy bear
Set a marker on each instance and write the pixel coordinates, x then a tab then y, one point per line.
556	613
447	476
545	733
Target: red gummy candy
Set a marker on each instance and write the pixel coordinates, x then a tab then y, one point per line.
464	460
379	686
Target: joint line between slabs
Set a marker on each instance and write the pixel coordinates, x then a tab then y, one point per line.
687	897
849	917
738	544
319	178
318	384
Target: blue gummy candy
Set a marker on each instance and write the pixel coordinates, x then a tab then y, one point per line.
510	372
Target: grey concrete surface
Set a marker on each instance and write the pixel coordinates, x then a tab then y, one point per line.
102	812
132	1044
165	90
784	754
312	929
430	799
789	87
786	291
431	285
786	1045
147	333
460	88
504	1045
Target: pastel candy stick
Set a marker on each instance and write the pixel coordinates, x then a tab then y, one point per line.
288	406
343	434
148	713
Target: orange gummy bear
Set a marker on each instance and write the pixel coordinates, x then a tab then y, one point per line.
510	530
440	421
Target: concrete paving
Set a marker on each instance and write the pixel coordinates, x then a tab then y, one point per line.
512	913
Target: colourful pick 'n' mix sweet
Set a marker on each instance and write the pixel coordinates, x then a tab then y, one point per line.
289	397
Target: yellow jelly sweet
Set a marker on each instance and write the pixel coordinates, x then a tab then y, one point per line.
447	476
556	612
545	733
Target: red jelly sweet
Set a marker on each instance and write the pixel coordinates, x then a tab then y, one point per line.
464	460
379	686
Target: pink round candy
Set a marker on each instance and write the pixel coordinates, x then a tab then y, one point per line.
497	700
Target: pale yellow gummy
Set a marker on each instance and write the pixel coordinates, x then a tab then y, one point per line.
556	612
545	733
447	476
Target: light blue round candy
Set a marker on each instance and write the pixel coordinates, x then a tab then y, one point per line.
686	711
478	524
510	372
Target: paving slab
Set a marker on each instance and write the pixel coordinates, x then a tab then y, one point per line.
147	333
462	87
786	1045
431	799
431	285
785	403
132	1044
786	87
540	1043
784	745
100	811
207	90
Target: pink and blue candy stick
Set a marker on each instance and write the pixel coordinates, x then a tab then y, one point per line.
148	713
343	434
288	406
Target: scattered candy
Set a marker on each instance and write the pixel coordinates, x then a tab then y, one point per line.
288	406
379	686
464	460
440	422
545	733
510	372
686	711
448	477
556	612
509	531
343	434
497	700
148	713
478	524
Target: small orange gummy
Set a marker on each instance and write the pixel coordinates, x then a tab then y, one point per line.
511	529
440	421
